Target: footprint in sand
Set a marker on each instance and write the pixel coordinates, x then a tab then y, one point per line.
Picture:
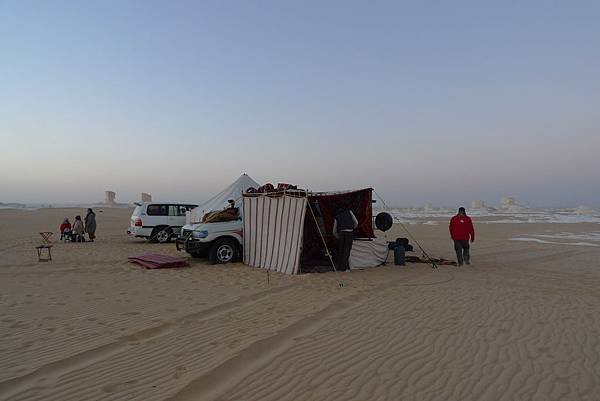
179	372
115	387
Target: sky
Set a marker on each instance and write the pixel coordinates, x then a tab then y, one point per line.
430	101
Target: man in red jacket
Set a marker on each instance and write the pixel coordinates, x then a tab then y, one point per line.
461	228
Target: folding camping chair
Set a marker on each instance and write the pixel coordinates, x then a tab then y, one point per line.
40	251
45	245
46	236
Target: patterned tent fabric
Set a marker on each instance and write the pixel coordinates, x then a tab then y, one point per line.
273	230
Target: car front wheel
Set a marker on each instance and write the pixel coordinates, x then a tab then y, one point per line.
223	251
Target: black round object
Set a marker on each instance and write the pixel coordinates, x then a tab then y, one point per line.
402	241
384	221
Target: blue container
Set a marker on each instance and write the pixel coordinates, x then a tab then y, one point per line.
399	255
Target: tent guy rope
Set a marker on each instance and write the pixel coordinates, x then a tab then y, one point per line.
425	254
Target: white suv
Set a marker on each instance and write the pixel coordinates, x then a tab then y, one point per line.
158	221
220	241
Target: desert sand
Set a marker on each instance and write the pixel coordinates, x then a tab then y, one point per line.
521	323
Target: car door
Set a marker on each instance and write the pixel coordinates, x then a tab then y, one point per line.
176	216
157	215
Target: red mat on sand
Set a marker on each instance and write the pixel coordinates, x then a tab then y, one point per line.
158	261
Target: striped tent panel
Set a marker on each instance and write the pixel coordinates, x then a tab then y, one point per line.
273	228
368	253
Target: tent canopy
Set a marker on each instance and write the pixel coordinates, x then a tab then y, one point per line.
282	231
324	205
219	201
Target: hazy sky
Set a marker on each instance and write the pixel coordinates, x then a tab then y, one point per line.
426	101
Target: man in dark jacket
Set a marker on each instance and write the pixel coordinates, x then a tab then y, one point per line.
343	226
461	228
90	224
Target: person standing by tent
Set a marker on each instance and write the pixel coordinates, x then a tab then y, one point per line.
90	224
461	229
344	224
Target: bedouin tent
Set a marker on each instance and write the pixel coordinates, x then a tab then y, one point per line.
219	201
286	231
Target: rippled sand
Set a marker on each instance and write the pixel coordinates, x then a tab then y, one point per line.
521	323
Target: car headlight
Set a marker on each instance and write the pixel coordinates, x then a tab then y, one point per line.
199	234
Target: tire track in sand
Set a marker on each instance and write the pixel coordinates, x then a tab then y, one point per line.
260	353
492	343
158	367
50	372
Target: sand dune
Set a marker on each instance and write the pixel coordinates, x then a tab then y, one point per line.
520	324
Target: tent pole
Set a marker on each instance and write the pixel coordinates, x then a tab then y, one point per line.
340	283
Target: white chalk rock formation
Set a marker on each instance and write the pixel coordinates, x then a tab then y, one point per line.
507	202
110	200
477	204
510	205
586	211
109	197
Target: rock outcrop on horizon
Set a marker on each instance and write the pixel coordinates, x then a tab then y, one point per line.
110	200
12	205
509	204
586	211
477	204
109	197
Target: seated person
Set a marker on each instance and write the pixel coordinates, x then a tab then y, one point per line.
231	207
65	229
